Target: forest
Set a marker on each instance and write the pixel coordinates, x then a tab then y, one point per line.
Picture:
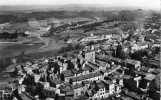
14	35
123	15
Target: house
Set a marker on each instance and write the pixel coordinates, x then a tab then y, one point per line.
106	72
76	72
134	84
116	61
119	81
110	87
133	95
141	73
6	91
157	81
86	84
89	77
51	92
133	64
55	83
93	66
153	63
44	85
126	79
101	91
21	88
82	97
118	88
110	78
78	89
66	75
25	96
85	69
20	79
147	82
143	46
36	78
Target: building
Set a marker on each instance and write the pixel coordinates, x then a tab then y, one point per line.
133	64
101	92
36	78
110	86
78	89
66	75
89	56
157	81
51	92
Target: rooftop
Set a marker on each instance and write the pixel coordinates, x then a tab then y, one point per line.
50	89
133	62
76	86
150	77
107	82
25	97
93	66
67	73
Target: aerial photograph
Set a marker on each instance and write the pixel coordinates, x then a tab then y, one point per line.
80	49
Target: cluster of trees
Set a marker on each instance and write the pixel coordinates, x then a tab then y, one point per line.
71	47
121	53
128	25
153	22
15	35
140	55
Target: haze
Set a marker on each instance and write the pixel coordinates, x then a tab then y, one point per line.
150	4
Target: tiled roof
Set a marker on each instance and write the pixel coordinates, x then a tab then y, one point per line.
67	89
77	86
56	81
75	71
133	95
107	82
83	97
86	68
101	86
94	67
83	77
50	89
133	62
25	97
67	73
150	77
69	93
86	82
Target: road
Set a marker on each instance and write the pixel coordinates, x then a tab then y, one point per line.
38	34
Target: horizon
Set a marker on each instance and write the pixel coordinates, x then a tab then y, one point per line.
142	4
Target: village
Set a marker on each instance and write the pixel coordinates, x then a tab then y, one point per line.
94	73
122	64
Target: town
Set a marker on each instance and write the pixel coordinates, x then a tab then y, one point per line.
122	64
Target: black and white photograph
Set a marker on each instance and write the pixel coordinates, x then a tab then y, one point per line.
80	49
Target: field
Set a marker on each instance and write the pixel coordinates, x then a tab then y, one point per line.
107	31
50	47
33	39
74	34
19	26
13	49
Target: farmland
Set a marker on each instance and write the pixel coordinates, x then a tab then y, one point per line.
18	26
13	49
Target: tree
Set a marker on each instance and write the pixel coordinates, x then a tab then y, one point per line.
126	15
136	56
52	29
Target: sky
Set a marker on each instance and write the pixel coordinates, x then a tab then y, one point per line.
151	4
